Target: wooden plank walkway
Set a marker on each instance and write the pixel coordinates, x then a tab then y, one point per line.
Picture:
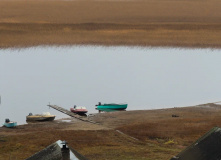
74	115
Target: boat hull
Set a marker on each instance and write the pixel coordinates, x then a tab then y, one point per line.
10	124
40	118
78	111
112	107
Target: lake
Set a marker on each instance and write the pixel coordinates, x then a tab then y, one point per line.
145	78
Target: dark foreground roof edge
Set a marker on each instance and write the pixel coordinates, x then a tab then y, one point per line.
214	129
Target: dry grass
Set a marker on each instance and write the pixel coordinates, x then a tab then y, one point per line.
160	136
103	11
97	145
190	125
147	23
186	35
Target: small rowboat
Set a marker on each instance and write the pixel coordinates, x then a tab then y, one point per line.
110	107
79	110
10	124
40	117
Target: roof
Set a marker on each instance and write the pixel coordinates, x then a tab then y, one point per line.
54	152
207	147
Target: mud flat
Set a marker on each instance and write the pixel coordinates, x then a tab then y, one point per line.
148	134
142	23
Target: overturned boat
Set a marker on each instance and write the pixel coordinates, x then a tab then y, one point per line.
40	117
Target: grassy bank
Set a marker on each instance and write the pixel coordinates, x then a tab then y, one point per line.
150	134
179	35
146	23
97	145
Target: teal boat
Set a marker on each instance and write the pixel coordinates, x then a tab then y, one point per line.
10	124
108	107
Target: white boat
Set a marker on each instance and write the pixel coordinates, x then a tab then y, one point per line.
40	117
79	110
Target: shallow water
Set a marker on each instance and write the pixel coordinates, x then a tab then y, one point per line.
145	78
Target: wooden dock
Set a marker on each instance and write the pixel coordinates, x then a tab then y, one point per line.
74	115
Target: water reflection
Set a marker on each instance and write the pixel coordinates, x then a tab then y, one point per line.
144	78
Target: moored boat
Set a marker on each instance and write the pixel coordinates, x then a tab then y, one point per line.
79	109
110	106
40	117
10	124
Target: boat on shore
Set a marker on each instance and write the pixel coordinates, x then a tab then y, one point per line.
109	107
40	117
9	124
79	110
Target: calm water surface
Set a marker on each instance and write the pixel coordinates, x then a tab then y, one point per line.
145	78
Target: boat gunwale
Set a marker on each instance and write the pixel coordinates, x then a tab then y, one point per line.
112	104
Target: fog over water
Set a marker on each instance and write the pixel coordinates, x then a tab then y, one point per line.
145	78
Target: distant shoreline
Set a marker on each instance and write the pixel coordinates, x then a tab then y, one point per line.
151	23
152	35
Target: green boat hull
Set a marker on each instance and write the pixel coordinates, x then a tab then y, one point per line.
10	124
106	107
